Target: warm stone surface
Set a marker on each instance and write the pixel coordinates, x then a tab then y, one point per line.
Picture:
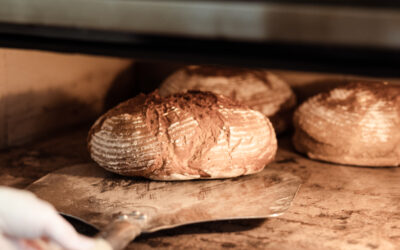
42	92
337	207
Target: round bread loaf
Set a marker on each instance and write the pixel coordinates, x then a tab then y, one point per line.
357	124
259	89
184	136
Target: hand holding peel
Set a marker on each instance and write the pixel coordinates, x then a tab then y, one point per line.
27	222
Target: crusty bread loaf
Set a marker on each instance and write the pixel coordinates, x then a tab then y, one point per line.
259	89
357	124
183	136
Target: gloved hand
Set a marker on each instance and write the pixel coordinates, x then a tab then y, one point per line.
24	216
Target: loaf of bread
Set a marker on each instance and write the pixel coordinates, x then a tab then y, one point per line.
259	89
184	136
357	124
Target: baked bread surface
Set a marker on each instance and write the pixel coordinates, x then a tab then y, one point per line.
184	136
259	89
357	124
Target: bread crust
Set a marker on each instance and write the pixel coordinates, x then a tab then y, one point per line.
184	136
258	89
356	124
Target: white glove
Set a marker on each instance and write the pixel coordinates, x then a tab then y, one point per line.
24	216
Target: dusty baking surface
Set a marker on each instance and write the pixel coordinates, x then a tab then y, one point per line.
337	207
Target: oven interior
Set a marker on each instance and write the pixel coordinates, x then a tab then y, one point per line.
56	80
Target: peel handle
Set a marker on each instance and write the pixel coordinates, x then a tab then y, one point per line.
117	235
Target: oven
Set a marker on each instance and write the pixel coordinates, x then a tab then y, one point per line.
64	63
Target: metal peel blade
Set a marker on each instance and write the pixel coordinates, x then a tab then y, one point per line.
125	207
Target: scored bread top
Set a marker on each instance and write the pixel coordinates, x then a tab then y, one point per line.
357	124
184	136
257	88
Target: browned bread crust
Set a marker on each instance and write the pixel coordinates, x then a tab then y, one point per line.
259	89
183	136
357	124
